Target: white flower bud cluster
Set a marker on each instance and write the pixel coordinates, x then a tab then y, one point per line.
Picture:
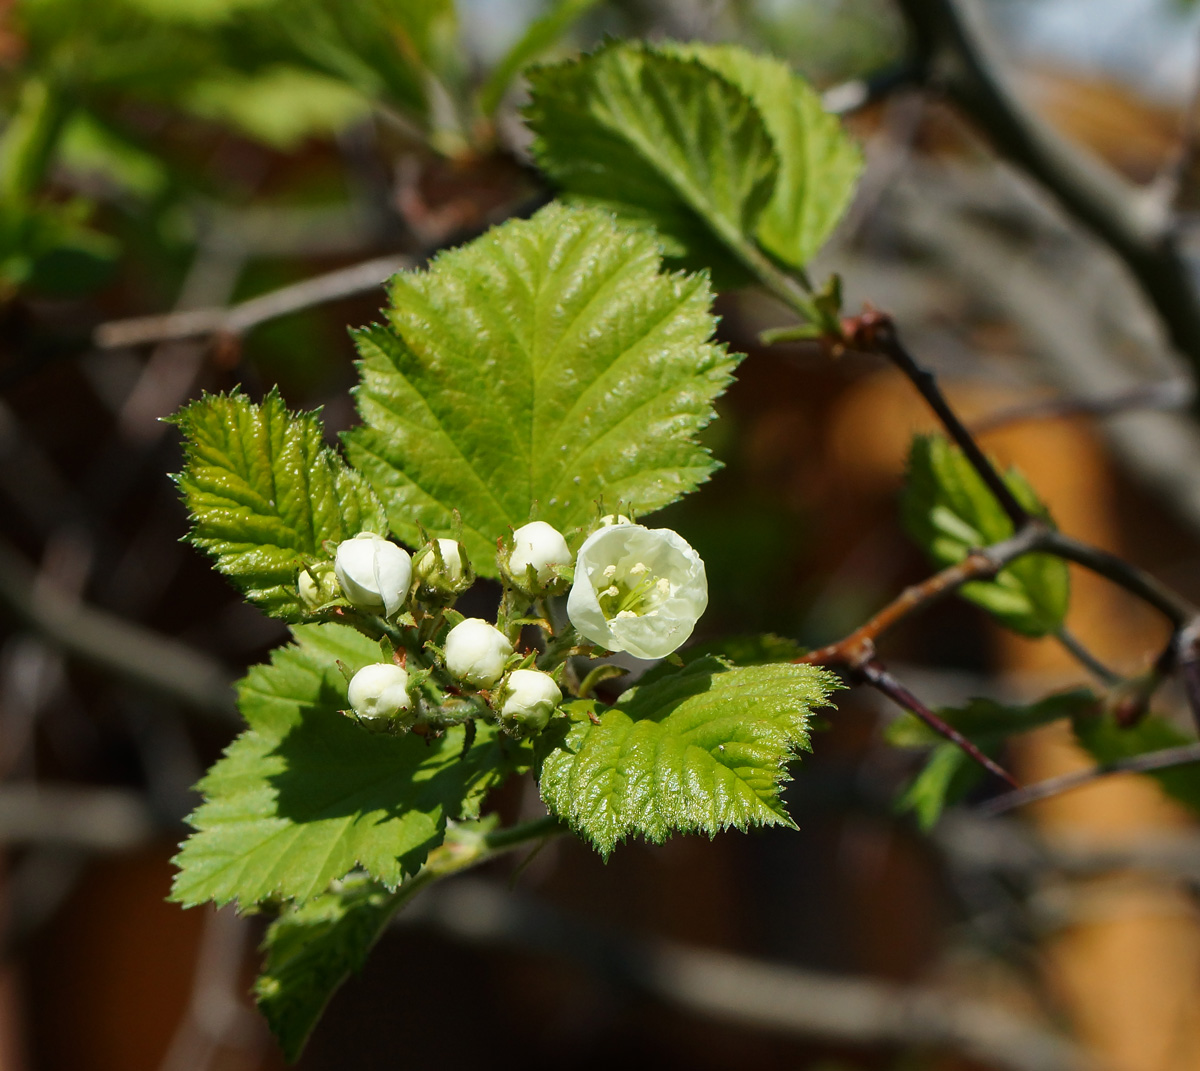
635	589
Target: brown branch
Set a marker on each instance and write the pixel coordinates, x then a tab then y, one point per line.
859	647
874	674
1151	760
237	319
875	332
953	55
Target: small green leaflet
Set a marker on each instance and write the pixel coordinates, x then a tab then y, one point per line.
264	491
545	367
819	165
312	948
949	511
1107	741
660	139
305	795
703	749
949	773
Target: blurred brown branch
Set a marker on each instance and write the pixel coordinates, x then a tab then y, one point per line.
953	55
118	646
237	319
768	996
1054	786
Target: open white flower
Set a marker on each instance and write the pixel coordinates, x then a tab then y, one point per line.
530	698
637	589
379	691
476	652
374	573
541	545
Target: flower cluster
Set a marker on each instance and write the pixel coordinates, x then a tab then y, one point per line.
631	588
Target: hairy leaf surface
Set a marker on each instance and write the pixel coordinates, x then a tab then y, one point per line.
306	795
547	365
264	491
662	139
702	750
949	511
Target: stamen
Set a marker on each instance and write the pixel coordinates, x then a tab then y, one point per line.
625	613
638	568
610	571
664	585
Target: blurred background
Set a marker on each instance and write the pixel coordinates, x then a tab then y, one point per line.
200	193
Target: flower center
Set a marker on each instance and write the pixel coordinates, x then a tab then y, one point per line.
632	591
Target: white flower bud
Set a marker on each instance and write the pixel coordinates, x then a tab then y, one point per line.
529	699
476	652
452	576
316	585
379	692
373	572
637	589
540	545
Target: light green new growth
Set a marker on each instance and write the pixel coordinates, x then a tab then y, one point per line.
546	366
264	492
700	750
662	140
713	146
306	795
949	511
819	165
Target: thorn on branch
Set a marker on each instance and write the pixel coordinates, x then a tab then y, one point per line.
877	676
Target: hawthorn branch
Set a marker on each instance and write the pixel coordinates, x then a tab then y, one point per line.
1053	786
876	675
875	332
858	648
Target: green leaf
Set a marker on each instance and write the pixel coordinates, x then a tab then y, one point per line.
1107	741
702	750
949	773
264	492
313	948
546	366
819	165
662	140
306	795
949	511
